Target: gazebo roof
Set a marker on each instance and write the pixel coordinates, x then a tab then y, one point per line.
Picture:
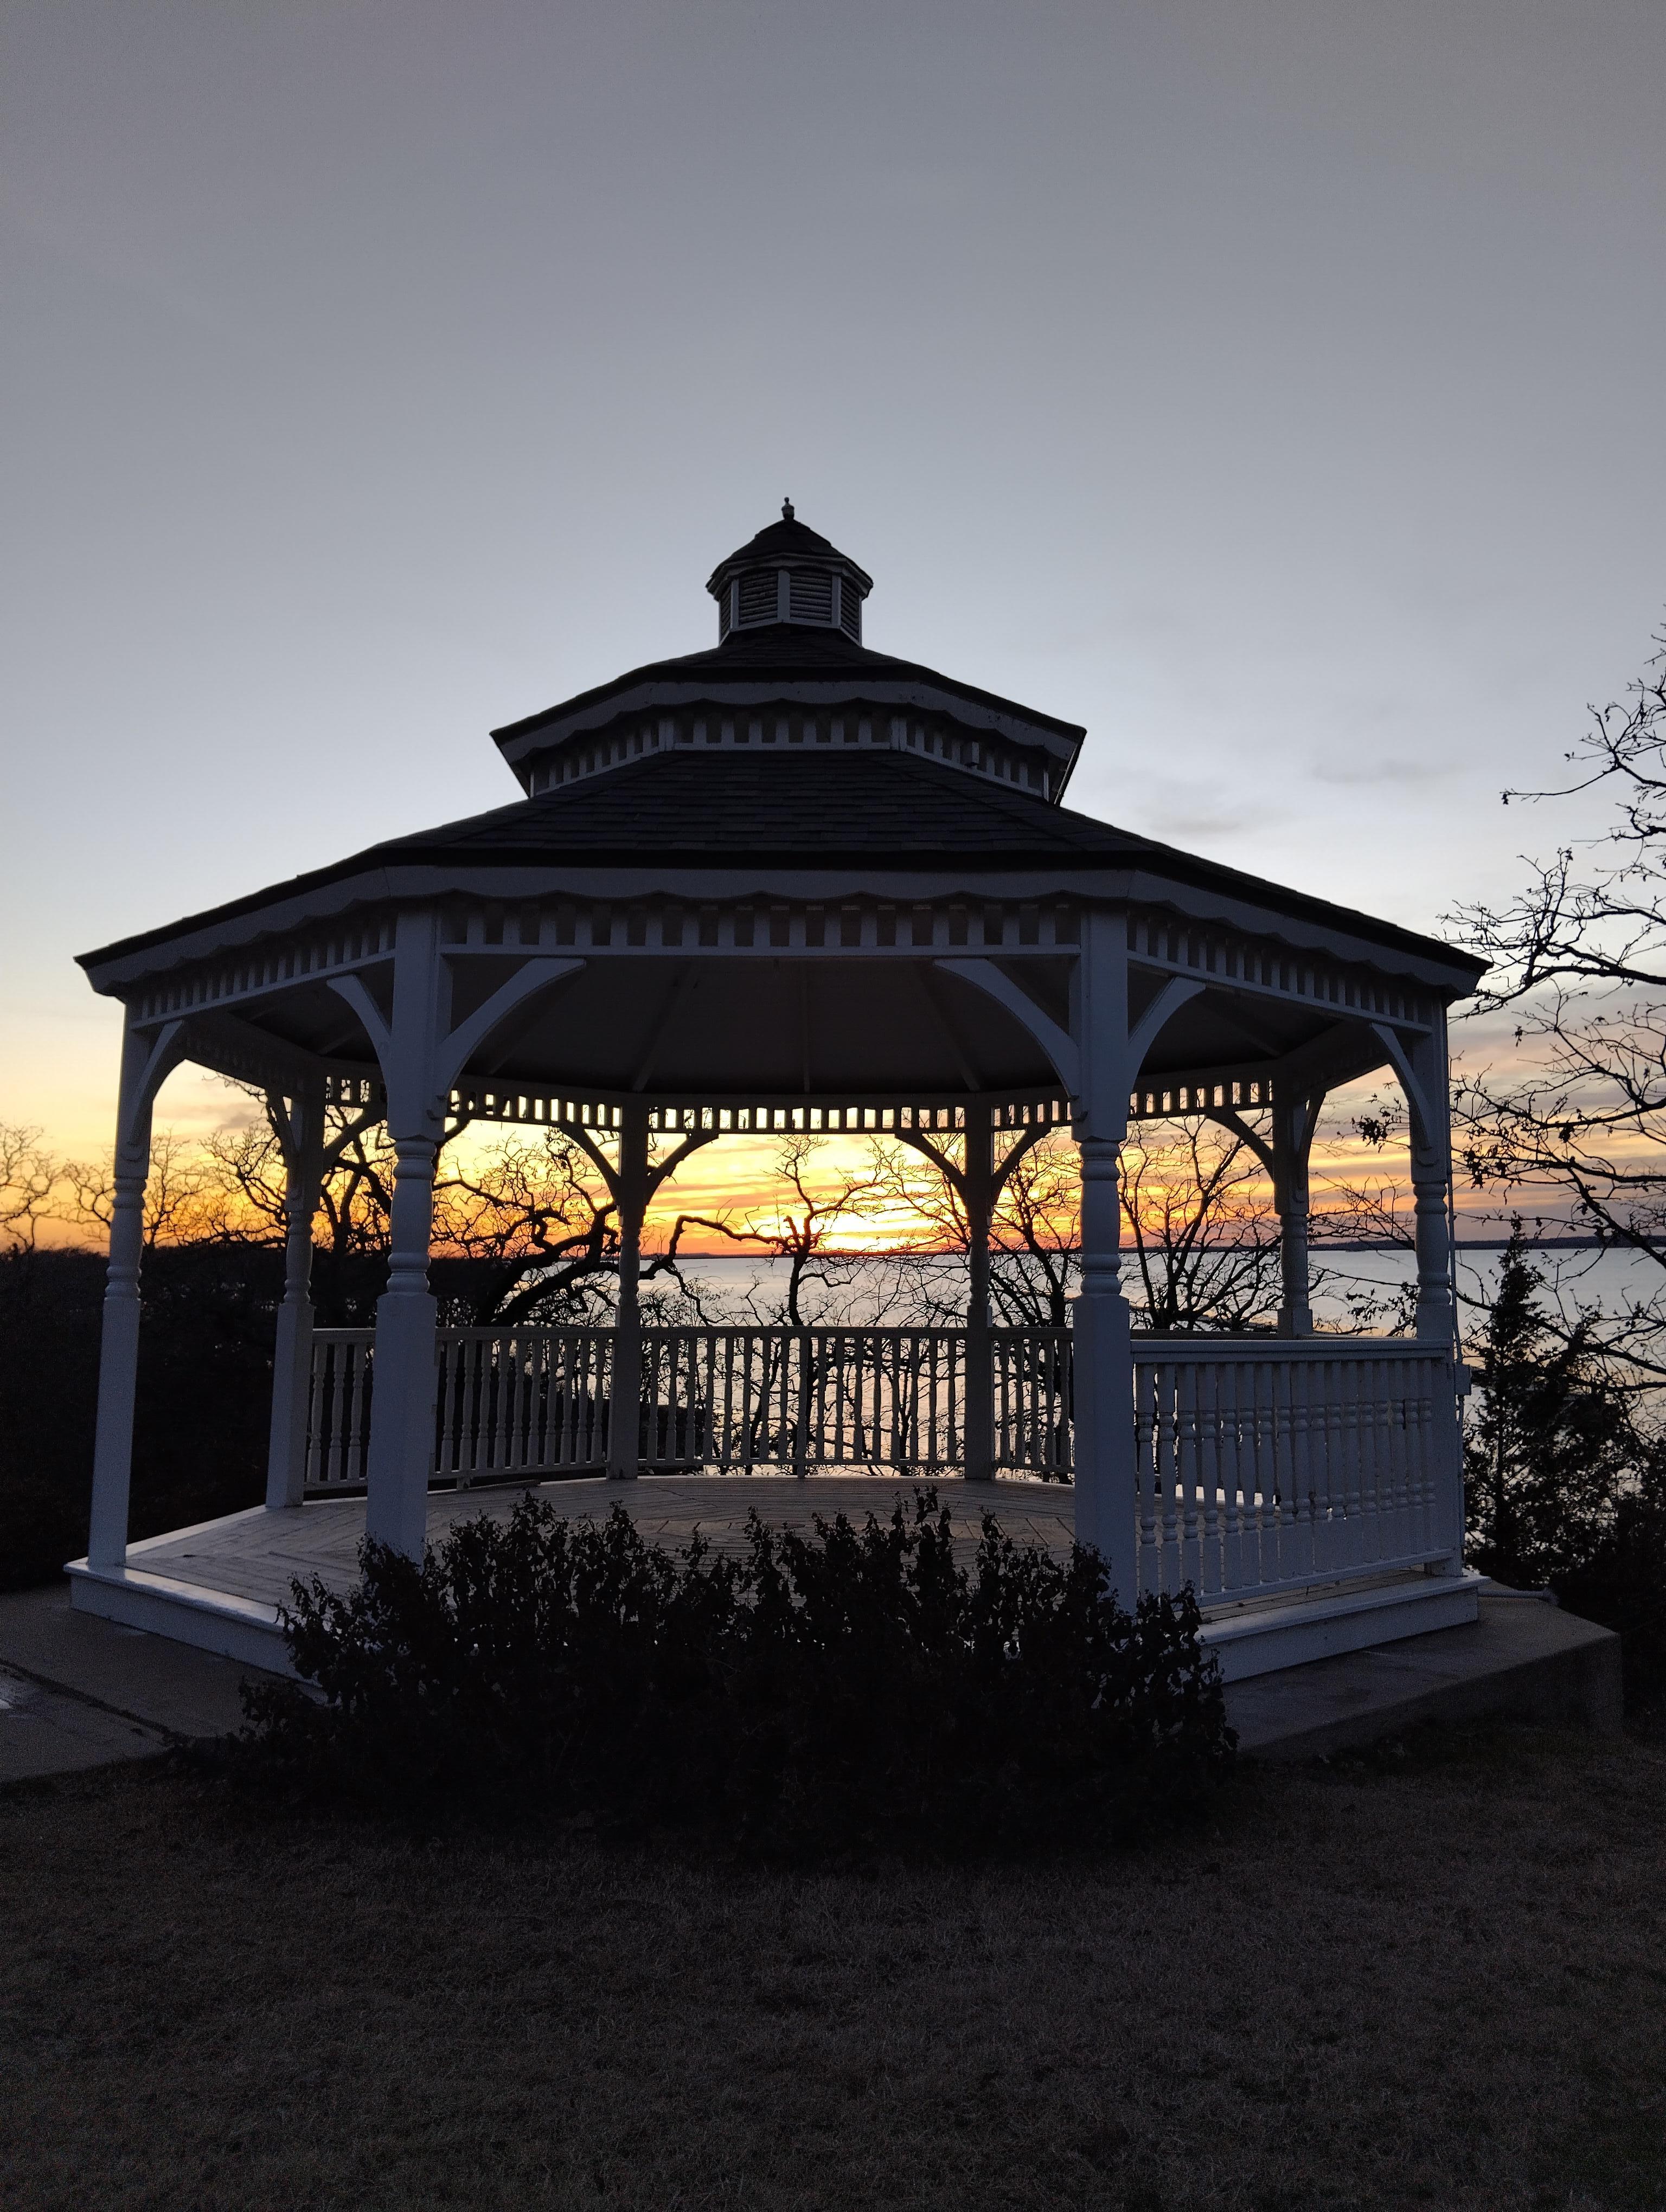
794	665
861	809
789	760
788	540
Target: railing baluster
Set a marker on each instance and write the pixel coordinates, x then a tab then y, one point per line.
1169	1574
1147	1385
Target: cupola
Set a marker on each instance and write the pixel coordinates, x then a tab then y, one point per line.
788	574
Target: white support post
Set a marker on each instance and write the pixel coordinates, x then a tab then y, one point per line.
1430	1099
403	1384
624	1417
292	1351
1424	1076
1437	1314
978	1194
145	1061
1425	1079
119	1346
1294	1120
1102	1347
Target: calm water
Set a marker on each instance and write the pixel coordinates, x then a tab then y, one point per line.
874	1290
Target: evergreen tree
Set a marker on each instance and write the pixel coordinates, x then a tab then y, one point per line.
1551	1447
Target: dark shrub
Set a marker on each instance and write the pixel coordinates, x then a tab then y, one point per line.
826	1692
1622	1585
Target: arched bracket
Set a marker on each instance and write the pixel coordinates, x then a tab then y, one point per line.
1295	1122
923	1143
1057	1043
1151	1024
1068	1054
167	1049
1429	1126
457	1049
452	1051
1228	1118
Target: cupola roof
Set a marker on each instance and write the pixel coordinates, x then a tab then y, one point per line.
789	574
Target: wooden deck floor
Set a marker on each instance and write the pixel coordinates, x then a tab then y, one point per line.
257	1555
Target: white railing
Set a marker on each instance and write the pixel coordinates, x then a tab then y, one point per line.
521	1402
1263	1464
1030	1383
1271	1464
338	1408
734	1398
532	1402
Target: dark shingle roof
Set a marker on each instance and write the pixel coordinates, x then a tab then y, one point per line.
764	808
786	540
790	654
775	805
828	809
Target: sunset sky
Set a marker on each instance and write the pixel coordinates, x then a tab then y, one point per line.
1273	385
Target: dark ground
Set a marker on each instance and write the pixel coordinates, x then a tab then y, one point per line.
1431	1980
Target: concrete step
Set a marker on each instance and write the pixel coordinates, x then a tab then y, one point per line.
1522	1659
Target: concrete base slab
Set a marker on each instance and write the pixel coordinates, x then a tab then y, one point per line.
1321	1623
78	1690
1521	1659
220	1621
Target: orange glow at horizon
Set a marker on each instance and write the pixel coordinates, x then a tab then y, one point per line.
733	1181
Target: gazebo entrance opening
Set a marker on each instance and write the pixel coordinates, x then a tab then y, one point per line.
1262	1463
794	883
631	1397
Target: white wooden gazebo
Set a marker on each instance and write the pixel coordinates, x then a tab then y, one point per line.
792	884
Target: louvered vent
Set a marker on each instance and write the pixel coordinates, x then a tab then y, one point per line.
788	574
759	596
812	596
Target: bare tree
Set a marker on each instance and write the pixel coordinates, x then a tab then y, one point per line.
185	1201
1577	1117
1200	1231
1200	1237
1035	1237
801	1232
30	1180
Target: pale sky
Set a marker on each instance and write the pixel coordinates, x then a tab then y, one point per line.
1273	385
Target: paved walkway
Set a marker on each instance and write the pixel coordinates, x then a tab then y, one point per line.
78	1691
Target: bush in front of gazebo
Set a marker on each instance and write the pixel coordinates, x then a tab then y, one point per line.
850	1689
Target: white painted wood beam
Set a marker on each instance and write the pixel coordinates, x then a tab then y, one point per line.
1057	1043
470	1035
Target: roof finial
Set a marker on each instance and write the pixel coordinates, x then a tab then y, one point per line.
786	510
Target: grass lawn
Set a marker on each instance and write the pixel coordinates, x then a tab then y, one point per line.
1440	1982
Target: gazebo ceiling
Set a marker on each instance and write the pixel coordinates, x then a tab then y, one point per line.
704	1027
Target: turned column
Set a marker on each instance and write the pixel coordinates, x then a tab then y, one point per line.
978	1195
1294	1121
1430	1098
302	1131
402	1381
624	1417
119	1343
403	1387
1102	1347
